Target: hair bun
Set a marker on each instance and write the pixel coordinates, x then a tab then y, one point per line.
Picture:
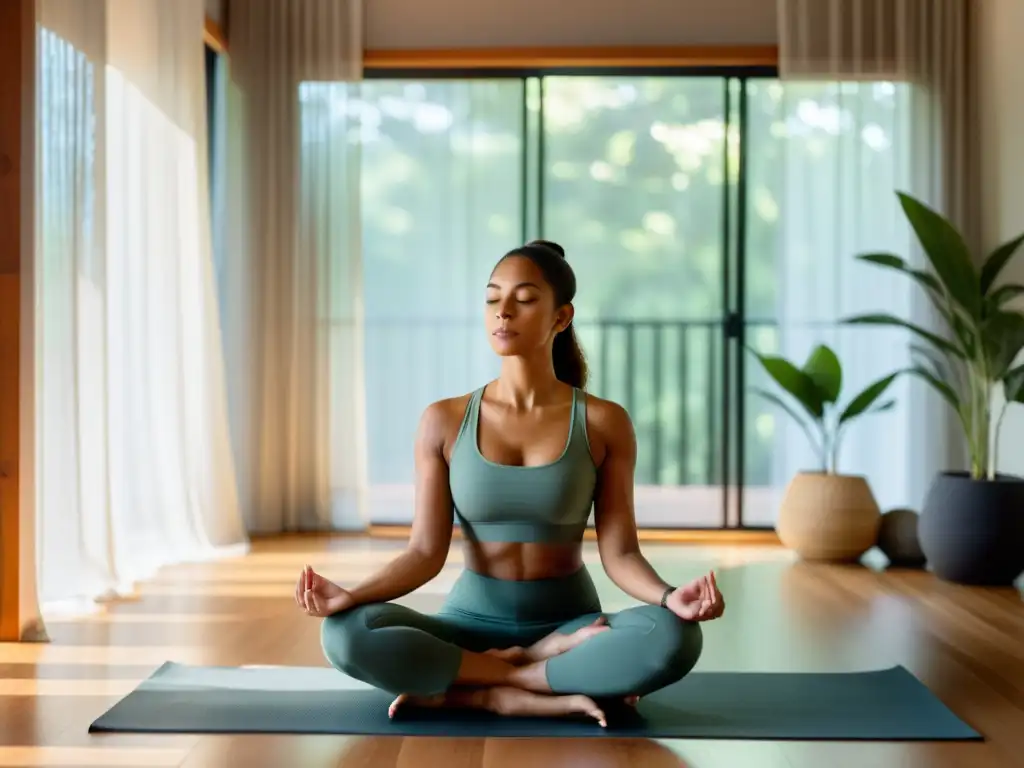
551	245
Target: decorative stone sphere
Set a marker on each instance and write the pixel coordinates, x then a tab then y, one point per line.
897	538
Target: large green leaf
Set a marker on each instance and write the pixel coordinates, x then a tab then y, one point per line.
891	320
1003	334
824	369
998	259
948	253
867	397
893	261
1004	294
1013	385
795	382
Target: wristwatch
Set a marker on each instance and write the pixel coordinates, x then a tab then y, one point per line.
664	597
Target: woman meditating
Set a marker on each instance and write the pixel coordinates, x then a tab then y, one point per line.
520	463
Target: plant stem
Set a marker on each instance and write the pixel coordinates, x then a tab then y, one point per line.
978	422
994	465
823	455
833	460
978	393
984	421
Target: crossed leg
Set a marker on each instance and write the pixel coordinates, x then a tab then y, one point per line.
645	649
434	661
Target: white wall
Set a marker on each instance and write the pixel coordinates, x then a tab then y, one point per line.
1001	93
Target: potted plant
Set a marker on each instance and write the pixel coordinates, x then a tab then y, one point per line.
972	522
825	515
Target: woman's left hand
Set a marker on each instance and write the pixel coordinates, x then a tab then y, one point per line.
699	600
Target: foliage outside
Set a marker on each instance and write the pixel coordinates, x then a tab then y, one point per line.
816	387
984	338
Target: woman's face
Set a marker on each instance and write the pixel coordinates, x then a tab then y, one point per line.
520	312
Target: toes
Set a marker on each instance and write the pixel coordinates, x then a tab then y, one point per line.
396	704
589	707
405	699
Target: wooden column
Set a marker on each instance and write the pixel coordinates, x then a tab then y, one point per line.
18	604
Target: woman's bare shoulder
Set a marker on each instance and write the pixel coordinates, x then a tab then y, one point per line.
441	420
607	416
609	429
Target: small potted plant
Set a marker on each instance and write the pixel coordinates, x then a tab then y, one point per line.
972	522
825	515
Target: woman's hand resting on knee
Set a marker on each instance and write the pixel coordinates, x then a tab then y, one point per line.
699	600
321	597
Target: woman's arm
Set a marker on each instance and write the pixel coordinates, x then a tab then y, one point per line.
614	514
431	536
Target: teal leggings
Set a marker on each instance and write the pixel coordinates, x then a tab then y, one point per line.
399	650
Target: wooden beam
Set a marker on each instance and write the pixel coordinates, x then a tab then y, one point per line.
11	126
588	57
18	615
213	36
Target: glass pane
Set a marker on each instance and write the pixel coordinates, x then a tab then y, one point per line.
442	192
633	188
825	160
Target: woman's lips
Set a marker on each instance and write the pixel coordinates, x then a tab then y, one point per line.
504	333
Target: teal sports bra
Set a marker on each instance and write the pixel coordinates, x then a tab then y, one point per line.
510	503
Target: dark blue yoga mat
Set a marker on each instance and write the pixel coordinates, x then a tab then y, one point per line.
883	705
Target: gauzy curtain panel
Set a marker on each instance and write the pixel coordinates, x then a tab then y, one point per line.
289	262
874	100
134	462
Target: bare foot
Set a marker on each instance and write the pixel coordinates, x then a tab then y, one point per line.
509	702
552	645
515	702
556	644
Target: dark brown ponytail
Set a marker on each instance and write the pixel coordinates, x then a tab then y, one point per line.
566	353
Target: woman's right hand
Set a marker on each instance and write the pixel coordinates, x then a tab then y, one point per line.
321	597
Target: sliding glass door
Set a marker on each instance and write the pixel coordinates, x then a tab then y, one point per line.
687	206
630	175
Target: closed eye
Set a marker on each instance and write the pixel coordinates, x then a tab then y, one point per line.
520	301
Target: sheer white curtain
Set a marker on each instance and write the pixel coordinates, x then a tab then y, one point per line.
873	100
290	263
134	462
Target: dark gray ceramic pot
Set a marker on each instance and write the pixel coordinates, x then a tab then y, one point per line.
972	531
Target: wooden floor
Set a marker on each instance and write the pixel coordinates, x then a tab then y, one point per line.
966	644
